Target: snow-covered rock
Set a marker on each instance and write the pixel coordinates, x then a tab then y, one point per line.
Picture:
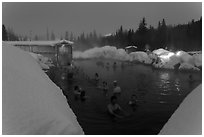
187	119
185	57
140	56
31	102
197	60
169	59
159	58
187	66
173	60
160	51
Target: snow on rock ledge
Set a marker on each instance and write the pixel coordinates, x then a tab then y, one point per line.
31	102
44	62
187	119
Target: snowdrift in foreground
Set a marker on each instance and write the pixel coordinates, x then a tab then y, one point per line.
44	62
31	102
187	119
159	58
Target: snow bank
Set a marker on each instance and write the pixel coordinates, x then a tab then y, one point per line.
168	60
197	60
186	66
140	56
31	102
44	62
160	51
187	119
160	58
185	57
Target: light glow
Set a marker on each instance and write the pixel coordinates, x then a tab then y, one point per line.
167	56
178	53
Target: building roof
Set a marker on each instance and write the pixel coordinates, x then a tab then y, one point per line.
131	47
40	43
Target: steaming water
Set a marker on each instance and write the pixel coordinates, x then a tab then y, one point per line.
165	91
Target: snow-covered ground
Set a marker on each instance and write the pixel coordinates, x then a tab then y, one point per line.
31	102
159	58
187	119
43	61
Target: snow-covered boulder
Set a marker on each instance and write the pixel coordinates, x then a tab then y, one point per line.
187	119
185	57
31	102
187	66
153	56
197	60
169	60
160	51
159	58
140	56
170	64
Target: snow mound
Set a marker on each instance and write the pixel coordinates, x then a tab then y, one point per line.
31	102
197	60
186	66
185	57
44	62
187	119
159	58
140	56
160	51
169	60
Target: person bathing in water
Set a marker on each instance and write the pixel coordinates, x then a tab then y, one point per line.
105	88
116	89
96	79
77	92
83	95
133	102
114	109
191	79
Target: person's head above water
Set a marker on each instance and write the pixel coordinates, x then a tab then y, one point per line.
115	83
76	87
113	100
96	74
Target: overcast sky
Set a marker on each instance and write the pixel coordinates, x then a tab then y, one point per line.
85	17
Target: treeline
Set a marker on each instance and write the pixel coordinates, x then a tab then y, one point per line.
183	36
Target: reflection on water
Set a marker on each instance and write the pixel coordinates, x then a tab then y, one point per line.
164	76
140	78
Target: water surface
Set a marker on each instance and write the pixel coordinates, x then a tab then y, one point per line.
159	92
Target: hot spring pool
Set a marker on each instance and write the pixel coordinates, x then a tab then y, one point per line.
160	93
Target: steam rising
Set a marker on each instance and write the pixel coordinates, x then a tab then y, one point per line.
110	52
